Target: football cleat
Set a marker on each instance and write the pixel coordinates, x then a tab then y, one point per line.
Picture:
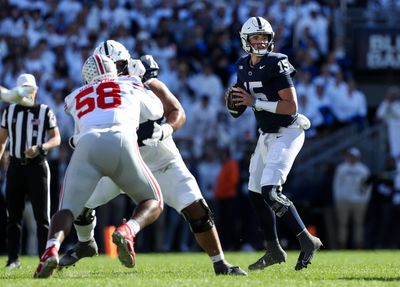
13	264
308	253
123	237
224	268
271	257
77	252
48	262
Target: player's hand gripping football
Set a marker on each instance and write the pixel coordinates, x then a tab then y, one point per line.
241	97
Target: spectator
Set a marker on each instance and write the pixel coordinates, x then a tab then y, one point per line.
351	106
351	195
389	111
380	207
226	199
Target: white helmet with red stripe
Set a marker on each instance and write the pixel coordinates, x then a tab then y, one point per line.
98	67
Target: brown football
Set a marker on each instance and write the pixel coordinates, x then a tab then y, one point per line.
234	110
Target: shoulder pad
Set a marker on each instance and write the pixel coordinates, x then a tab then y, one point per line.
280	64
242	60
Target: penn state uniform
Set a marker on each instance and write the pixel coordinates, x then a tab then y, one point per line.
179	187
280	138
263	80
107	114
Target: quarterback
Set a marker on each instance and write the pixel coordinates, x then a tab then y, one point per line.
264	83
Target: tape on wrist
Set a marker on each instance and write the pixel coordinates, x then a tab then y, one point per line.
265	105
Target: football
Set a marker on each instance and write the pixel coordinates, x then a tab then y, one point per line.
234	110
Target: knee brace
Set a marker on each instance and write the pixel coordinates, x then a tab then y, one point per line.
274	197
86	217
202	224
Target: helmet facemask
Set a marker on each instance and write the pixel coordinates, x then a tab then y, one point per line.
260	48
122	67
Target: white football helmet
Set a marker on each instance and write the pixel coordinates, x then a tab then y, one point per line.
116	52
98	67
256	26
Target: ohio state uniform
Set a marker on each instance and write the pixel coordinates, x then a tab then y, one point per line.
107	115
179	187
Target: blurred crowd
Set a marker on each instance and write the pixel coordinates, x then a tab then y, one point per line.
196	44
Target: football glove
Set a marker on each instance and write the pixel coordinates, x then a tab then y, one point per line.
160	132
136	68
303	122
151	67
21	95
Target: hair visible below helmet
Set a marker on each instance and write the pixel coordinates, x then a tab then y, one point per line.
256	26
97	68
116	52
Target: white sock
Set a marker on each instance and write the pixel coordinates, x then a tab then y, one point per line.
134	226
217	258
85	232
52	242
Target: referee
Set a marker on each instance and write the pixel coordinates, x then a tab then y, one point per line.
31	131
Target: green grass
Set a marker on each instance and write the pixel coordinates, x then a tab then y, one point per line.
359	268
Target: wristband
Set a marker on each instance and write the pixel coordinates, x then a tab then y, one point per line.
265	105
167	130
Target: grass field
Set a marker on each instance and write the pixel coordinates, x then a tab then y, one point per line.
360	268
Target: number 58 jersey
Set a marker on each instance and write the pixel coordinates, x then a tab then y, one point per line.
116	104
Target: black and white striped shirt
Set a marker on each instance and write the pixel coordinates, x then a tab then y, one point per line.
27	126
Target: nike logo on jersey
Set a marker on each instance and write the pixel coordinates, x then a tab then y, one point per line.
262	67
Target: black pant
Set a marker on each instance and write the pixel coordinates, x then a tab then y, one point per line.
27	180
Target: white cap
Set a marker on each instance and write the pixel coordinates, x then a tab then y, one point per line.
354	152
26	80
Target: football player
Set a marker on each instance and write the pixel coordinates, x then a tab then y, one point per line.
264	83
107	110
159	151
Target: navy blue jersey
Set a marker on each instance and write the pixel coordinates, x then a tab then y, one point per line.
263	81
